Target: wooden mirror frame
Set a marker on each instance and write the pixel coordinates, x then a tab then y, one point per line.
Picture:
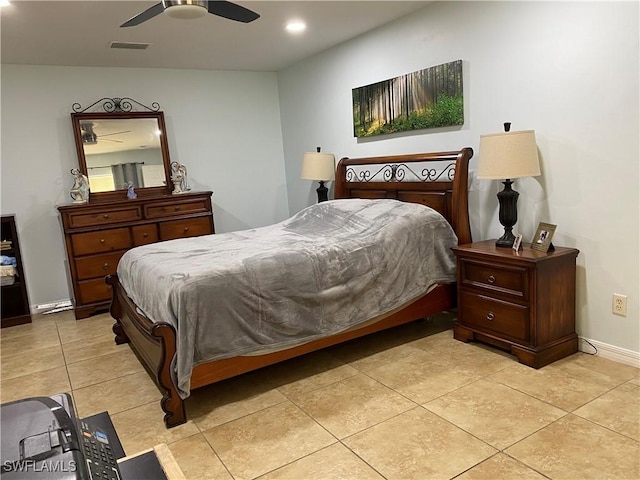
77	118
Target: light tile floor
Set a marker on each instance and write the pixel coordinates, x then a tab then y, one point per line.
410	403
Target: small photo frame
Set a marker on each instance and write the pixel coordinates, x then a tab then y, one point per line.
542	239
517	243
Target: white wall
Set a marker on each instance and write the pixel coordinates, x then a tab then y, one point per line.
224	126
567	70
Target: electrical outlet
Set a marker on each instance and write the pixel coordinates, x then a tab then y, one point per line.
620	304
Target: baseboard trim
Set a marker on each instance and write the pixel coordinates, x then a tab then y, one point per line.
610	352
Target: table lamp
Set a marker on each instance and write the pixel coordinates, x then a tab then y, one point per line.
506	156
321	167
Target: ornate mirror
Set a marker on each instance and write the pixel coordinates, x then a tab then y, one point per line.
118	147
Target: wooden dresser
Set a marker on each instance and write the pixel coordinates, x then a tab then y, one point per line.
97	234
523	301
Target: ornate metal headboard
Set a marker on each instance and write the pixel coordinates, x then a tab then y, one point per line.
438	180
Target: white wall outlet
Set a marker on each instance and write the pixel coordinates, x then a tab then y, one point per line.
620	304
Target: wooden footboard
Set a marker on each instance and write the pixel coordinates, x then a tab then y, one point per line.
153	343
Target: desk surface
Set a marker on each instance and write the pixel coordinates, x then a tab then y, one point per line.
153	464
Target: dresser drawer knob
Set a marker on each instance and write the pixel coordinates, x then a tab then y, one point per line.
491	279
177	207
490	316
105	266
186	229
102	240
145	234
106	215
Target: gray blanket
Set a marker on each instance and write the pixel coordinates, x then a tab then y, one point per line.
328	268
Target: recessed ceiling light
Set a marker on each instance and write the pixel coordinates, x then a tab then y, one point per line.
296	26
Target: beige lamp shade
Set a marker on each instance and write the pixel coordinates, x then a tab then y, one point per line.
508	155
318	166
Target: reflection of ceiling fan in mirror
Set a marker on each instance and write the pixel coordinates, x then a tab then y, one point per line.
90	137
193	9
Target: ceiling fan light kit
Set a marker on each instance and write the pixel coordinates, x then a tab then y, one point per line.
185	10
89	137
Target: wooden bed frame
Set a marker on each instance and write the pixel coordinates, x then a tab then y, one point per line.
155	343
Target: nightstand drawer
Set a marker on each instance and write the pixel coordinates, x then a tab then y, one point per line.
503	318
497	278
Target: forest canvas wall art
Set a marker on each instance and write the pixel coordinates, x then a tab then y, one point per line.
427	98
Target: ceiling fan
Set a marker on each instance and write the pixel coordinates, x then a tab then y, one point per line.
90	137
194	9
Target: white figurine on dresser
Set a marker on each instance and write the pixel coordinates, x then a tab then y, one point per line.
80	189
179	178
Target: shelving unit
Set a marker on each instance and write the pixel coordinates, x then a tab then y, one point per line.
15	302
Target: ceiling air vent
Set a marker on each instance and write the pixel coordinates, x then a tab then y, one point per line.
130	45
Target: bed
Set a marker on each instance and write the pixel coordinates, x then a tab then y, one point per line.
163	338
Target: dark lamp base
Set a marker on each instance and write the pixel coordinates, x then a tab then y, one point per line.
506	240
508	214
322	192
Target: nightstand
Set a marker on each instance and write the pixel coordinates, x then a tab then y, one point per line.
523	302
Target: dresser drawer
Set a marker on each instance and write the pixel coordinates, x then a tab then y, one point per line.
98	265
105	217
176	208
191	227
506	279
490	315
144	234
101	241
94	290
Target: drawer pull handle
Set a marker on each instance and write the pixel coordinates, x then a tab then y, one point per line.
106	215
490	316
145	234
491	279
102	240
186	229
105	266
177	208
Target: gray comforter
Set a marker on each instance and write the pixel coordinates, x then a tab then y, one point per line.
324	270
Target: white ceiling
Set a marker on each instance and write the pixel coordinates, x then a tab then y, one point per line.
79	33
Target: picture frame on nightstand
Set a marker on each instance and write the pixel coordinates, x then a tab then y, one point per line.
517	243
542	239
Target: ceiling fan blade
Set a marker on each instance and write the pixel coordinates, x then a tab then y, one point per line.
148	14
114	133
232	11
